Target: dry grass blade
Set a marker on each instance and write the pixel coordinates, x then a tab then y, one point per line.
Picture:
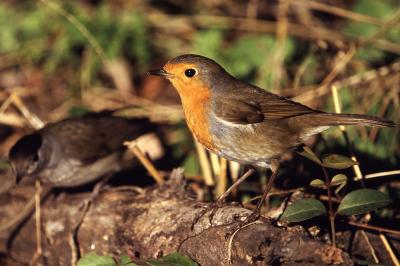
204	164
234	170
379	174
182	23
281	35
371	248
145	161
350	81
12	120
35	121
324	87
215	164
389	250
336	101
222	182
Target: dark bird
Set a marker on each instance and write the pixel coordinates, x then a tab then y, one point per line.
75	151
242	122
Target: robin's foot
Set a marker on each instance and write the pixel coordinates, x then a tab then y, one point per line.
249	219
212	208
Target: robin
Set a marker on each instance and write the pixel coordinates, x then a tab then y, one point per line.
75	151
242	122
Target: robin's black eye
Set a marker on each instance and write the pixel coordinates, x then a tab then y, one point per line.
190	72
35	158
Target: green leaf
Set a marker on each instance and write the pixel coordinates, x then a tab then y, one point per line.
379	9
174	259
125	260
78	111
338	180
92	259
248	53
337	161
309	154
317	183
208	43
302	210
362	201
191	164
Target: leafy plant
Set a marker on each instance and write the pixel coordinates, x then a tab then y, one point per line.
357	202
174	259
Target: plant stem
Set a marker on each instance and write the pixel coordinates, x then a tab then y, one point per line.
331	213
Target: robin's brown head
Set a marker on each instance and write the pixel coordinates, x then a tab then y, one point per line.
192	73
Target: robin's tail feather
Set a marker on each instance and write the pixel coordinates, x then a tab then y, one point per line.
331	119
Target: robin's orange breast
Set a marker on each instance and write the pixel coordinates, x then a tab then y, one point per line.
196	106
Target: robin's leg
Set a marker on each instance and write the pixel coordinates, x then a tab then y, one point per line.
224	195
214	206
256	213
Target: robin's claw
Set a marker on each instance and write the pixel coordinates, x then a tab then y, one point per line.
253	217
213	207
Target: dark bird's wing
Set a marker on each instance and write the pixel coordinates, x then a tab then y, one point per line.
251	105
88	139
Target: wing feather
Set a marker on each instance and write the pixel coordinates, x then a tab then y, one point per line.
251	105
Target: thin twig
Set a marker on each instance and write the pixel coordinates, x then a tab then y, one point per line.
12	120
378	174
322	89
38	218
256	25
145	161
350	81
337	69
281	36
35	121
230	242
371	248
375	228
331	212
388	25
24	213
337	11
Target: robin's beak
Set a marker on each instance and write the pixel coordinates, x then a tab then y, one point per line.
160	72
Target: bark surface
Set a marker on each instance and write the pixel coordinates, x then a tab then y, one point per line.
155	222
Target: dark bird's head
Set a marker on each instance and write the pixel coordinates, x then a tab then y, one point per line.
193	74
25	156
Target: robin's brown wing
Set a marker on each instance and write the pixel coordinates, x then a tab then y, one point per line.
251	105
238	111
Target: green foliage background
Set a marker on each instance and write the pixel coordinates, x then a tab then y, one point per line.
33	33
